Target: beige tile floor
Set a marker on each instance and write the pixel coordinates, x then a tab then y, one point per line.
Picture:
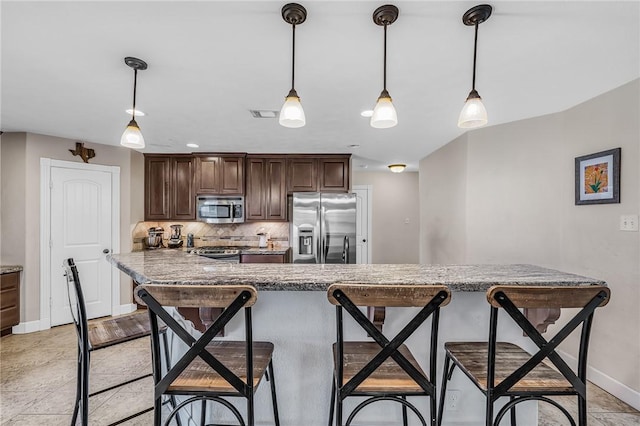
37	384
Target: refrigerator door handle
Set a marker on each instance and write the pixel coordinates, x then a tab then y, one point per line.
345	250
319	237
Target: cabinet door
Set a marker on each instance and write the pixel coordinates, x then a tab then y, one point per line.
232	175
334	174
182	195
262	258
302	175
255	196
9	300
275	189
156	188
207	175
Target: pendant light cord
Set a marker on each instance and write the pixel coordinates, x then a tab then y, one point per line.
135	83
293	57
475	49
384	70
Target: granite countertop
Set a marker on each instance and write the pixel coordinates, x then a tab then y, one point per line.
7	269
177	267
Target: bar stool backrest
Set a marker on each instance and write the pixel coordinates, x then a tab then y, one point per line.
79	314
512	298
388	295
196	296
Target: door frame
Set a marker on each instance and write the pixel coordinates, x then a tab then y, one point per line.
46	164
369	190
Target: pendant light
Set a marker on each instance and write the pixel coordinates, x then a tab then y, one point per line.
473	113
292	114
384	114
132	137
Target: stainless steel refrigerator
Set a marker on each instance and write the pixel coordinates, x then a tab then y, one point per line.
323	227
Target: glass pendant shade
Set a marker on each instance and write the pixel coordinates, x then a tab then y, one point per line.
473	114
132	136
384	114
292	114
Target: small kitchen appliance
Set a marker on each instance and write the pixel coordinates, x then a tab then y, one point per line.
154	239
176	236
262	241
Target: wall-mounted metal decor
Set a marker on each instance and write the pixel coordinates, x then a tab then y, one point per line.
85	153
598	178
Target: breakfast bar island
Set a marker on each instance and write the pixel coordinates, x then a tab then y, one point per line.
293	312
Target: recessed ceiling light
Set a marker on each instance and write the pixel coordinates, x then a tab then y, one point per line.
355	145
138	112
363	166
367	113
263	113
193	145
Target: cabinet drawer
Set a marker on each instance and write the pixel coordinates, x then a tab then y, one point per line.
262	258
9	300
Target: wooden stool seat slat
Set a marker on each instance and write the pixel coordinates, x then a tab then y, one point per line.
387	377
472	359
200	377
114	330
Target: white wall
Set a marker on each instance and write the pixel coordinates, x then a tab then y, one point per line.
21	153
519	196
395	198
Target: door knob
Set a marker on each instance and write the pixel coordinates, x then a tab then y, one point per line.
105	251
364	240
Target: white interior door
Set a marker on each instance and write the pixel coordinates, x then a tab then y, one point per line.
81	228
363	223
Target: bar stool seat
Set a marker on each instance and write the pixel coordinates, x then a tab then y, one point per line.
200	377
472	358
115	330
389	376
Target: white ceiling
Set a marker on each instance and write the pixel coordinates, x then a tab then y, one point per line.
63	72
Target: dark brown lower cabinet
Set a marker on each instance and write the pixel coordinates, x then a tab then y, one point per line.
9	301
263	258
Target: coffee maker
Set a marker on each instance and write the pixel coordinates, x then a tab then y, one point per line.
176	236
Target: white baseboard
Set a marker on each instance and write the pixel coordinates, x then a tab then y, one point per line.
611	385
27	327
124	309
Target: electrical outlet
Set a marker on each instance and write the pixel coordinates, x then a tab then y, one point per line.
406	221
629	222
453	397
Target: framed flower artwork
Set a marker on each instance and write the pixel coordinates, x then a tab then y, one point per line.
598	178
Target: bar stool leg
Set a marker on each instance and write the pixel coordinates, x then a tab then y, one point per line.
404	412
338	411
274	399
433	413
489	410
333	400
85	388
78	389
512	412
446	375
582	411
203	412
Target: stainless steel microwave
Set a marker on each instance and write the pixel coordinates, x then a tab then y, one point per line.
220	209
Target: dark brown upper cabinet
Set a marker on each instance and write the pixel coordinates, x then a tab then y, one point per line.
169	193
266	196
220	174
318	173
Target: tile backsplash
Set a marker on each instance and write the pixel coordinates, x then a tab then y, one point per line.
205	234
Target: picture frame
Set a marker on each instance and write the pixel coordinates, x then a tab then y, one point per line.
597	178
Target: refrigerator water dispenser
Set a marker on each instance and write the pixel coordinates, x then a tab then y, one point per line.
305	245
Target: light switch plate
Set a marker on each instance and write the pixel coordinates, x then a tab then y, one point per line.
629	222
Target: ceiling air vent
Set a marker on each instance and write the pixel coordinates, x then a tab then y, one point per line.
263	113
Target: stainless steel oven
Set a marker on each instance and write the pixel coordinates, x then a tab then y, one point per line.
220	209
224	254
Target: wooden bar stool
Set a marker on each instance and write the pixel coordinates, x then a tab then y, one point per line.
100	334
210	370
383	369
501	369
